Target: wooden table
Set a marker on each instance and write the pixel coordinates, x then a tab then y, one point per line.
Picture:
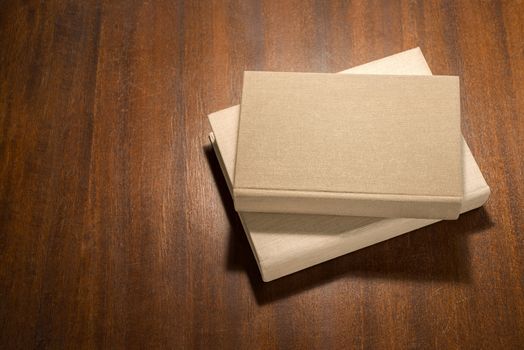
116	227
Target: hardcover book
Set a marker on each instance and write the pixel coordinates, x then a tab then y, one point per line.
341	144
285	243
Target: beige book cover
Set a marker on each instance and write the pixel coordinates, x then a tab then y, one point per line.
285	243
339	144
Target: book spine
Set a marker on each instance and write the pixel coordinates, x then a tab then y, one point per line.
348	204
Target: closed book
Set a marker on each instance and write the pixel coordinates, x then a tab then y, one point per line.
285	243
340	144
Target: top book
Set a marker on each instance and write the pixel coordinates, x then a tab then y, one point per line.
359	145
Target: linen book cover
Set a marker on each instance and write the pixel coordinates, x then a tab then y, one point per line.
286	243
338	144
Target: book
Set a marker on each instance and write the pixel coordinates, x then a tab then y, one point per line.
345	144
286	243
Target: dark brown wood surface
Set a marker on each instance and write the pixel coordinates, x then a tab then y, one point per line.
116	227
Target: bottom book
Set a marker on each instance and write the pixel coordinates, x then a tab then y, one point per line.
286	243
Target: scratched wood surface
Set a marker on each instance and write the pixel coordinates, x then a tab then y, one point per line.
116	227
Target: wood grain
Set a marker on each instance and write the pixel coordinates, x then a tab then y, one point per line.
116	229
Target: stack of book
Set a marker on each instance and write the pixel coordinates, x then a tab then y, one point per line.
320	165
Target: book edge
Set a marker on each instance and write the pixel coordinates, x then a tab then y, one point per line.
348	204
